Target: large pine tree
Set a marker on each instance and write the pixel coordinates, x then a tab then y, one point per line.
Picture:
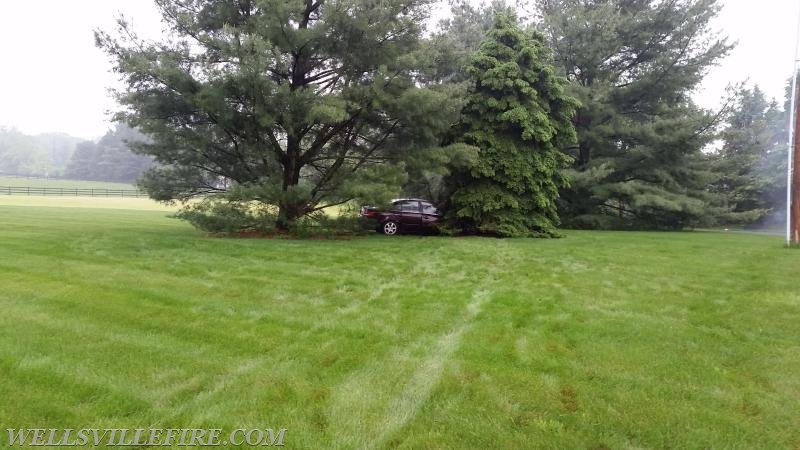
519	117
299	103
749	138
633	65
751	164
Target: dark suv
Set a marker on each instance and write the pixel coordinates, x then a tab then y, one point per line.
404	215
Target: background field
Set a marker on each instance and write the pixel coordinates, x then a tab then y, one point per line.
125	318
59	183
86	202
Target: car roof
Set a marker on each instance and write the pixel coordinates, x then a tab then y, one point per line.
395	200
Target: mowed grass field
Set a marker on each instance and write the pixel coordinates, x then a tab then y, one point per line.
123	318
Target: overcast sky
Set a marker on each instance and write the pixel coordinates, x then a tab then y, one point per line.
54	79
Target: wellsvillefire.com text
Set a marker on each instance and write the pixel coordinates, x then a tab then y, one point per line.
166	437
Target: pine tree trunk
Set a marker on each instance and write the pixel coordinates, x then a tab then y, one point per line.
289	208
288	213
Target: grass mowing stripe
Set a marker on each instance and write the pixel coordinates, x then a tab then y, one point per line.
402	408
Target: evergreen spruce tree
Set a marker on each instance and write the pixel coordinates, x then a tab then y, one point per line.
519	117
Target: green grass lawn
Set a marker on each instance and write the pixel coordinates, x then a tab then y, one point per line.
117	318
59	183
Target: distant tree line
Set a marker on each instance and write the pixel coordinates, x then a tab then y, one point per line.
40	155
109	159
62	156
580	116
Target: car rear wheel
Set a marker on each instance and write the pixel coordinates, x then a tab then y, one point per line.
390	228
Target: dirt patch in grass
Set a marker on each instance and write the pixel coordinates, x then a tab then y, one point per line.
569	398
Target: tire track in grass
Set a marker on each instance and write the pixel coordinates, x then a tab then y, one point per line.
360	409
